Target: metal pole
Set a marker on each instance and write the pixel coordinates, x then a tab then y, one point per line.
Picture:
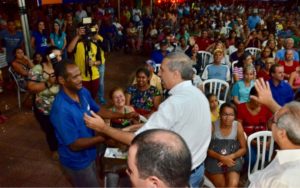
25	26
151	7
119	10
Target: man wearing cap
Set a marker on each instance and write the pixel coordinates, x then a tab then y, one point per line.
158	55
154	79
217	70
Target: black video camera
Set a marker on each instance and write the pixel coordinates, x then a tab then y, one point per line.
89	30
53	59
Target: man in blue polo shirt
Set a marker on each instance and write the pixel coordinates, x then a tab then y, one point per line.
77	151
281	90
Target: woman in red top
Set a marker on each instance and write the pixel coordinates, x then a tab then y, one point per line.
264	72
253	116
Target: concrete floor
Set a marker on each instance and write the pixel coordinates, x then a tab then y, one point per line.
24	156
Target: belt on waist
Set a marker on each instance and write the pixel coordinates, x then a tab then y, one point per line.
195	169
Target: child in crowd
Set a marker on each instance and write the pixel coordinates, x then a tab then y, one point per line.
214	107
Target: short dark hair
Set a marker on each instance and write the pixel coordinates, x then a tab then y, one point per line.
273	67
61	68
170	163
228	105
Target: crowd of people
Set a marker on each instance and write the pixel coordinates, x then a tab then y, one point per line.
186	44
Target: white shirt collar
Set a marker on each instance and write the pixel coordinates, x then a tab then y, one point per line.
178	87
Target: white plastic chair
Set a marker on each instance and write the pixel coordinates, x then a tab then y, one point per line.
19	88
232	67
254	51
261	138
215	86
207	183
203	59
157	67
231	49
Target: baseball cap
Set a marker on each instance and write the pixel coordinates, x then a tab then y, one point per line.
151	63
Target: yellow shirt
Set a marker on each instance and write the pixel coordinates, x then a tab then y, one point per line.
80	61
214	117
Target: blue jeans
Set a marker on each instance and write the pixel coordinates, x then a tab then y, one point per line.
85	177
101	69
197	176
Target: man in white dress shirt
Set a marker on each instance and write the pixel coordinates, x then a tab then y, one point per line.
284	170
185	112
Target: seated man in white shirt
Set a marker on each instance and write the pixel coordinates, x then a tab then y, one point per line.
284	170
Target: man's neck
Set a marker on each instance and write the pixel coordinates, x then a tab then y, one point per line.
276	82
73	95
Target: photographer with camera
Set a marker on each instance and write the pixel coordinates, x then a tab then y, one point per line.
42	83
86	55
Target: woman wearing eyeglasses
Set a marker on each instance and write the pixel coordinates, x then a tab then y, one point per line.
228	145
42	82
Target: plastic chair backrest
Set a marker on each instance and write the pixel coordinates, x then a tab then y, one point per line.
157	67
215	86
204	59
232	67
254	51
13	74
261	138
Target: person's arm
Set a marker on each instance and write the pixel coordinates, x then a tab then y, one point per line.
52	39
242	140
32	42
223	159
291	81
127	98
84	143
19	69
96	123
265	95
65	43
157	101
236	100
107	114
73	43
234	93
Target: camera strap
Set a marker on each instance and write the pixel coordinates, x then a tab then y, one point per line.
87	49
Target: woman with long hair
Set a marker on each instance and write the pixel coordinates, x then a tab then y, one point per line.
21	66
39	39
58	38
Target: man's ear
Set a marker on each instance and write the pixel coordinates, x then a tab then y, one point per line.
155	182
61	80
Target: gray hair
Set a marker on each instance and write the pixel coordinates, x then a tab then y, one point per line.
289	39
182	63
290	121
